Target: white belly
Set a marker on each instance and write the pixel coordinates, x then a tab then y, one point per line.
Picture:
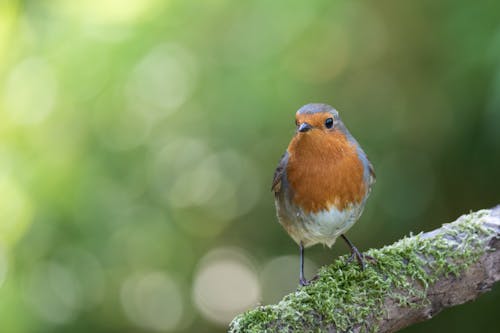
322	227
325	226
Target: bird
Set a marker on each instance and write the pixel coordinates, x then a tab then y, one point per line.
322	182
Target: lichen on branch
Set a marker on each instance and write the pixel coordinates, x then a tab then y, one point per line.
400	288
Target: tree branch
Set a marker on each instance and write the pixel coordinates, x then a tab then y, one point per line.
411	281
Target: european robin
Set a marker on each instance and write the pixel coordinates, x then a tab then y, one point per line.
322	181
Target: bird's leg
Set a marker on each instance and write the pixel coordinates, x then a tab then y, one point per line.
302	280
355	253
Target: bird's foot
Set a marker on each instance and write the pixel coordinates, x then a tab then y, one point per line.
361	258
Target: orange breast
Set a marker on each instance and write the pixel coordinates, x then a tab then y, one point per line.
324	170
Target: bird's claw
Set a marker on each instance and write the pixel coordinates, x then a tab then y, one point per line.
303	282
361	258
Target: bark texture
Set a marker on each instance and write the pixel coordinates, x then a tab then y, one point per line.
412	281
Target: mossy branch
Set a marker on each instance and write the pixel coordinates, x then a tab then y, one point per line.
412	280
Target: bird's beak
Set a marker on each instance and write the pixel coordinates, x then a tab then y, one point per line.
304	127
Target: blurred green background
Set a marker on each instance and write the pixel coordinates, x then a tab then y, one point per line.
138	140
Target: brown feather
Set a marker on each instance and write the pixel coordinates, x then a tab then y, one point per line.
324	169
278	174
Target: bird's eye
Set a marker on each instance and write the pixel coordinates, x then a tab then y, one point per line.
329	123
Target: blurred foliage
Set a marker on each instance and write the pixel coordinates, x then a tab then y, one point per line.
138	140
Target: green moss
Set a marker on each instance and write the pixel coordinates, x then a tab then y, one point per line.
343	296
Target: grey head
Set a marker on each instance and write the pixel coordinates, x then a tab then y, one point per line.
307	118
312	108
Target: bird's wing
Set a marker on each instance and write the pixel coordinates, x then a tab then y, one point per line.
373	178
278	174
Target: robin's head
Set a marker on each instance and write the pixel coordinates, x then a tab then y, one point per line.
318	117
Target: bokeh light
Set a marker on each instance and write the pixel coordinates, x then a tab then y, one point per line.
225	284
16	211
31	91
162	81
153	301
54	293
215	186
